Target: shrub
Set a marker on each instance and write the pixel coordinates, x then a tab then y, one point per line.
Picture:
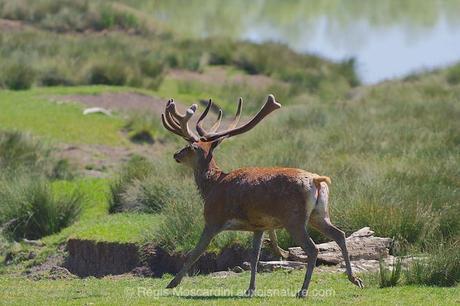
441	268
453	75
29	209
18	75
53	77
146	123
18	149
139	188
108	74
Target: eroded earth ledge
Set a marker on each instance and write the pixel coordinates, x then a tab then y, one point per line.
90	258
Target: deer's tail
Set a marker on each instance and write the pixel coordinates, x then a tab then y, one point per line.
319	179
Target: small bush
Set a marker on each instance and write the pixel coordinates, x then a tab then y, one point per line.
18	75
453	75
389	278
138	124
53	77
29	209
108	74
139	188
126	189
441	268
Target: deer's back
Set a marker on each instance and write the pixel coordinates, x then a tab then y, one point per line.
259	198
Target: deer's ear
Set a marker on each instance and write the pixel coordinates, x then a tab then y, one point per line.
214	145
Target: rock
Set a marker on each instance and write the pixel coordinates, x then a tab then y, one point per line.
246	266
58	272
237	269
362	245
142	272
270	266
223	274
96	110
364	232
33	242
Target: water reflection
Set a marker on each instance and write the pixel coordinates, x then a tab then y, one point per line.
388	37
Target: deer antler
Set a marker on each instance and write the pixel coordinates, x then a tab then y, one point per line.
177	123
201	131
269	106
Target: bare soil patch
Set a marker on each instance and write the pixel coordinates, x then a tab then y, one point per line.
11	25
100	160
122	102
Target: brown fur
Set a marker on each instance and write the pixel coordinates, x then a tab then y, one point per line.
254	198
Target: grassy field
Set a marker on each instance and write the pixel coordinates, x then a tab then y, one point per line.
33	111
392	151
274	288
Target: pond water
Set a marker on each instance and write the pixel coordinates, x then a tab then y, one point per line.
388	38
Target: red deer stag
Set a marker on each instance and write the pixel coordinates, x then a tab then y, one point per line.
252	199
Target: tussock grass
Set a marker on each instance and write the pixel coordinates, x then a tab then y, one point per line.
440	268
29	209
140	188
390	278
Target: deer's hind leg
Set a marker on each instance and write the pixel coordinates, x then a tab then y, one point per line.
320	220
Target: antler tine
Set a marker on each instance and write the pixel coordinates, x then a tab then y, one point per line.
235	121
167	118
217	123
199	128
178	123
269	106
168	127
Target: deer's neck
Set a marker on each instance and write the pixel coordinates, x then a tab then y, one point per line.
207	175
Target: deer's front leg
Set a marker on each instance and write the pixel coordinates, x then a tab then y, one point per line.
256	244
206	237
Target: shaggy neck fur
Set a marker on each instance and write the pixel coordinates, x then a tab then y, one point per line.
207	174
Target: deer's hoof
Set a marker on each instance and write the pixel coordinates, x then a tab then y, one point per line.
357	281
173	284
283	254
250	292
301	294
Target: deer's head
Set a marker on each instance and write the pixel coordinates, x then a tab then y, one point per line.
201	145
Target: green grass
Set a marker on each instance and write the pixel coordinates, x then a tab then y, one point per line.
328	289
122	227
95	223
32	111
30	209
